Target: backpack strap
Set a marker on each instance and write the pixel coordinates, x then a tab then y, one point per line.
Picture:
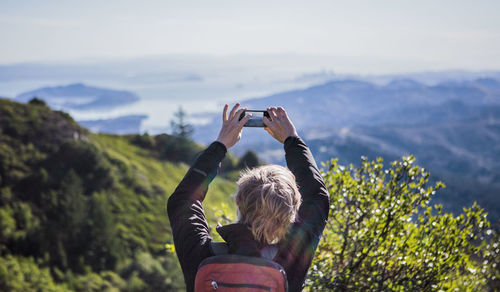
220	248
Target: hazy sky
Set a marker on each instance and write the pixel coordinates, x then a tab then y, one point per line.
414	35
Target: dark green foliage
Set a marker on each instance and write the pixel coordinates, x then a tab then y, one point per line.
19	274
63	228
82	209
168	147
151	271
144	141
83	158
248	160
228	163
22	126
93	282
36	101
106	249
177	149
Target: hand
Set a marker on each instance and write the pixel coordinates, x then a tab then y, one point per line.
279	126
230	133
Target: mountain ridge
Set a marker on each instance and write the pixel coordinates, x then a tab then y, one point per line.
451	127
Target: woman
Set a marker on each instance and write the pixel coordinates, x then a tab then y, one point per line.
288	208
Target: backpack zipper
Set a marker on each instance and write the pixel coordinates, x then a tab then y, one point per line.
216	285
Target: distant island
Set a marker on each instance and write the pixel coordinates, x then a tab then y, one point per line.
79	96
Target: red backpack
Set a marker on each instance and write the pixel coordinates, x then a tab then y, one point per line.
230	272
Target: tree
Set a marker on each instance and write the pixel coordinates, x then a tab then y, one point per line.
179	126
103	246
248	160
37	101
382	235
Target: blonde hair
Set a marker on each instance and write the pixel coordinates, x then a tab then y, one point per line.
268	200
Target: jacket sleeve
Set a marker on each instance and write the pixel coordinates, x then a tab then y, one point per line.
313	211
189	225
298	248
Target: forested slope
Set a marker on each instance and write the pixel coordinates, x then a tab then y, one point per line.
86	212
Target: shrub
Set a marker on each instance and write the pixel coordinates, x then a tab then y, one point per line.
23	274
382	234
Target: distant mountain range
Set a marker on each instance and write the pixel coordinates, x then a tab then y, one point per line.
79	96
452	128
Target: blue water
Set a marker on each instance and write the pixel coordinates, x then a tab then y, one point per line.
159	100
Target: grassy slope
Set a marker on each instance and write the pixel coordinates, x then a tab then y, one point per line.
165	175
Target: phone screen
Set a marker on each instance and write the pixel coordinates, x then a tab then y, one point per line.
256	120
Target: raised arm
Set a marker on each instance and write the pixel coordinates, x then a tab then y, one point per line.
299	246
313	211
187	218
189	226
314	208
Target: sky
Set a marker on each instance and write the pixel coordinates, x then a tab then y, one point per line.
398	35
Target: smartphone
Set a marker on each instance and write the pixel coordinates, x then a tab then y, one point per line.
257	119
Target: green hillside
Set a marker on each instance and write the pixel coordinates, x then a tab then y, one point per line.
86	212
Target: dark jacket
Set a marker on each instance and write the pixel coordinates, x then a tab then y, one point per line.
295	252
